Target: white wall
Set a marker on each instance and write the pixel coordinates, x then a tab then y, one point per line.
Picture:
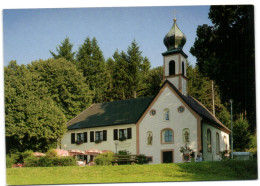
129	144
213	156
155	124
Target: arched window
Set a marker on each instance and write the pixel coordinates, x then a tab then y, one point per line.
172	68
209	140
226	144
217	143
182	68
166	114
167	136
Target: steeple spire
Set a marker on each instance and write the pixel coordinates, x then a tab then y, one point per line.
175	38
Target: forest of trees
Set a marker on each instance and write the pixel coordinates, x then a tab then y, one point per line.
42	96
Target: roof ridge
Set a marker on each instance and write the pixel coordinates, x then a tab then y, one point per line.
81	113
209	112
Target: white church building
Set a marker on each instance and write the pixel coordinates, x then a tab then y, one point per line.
158	126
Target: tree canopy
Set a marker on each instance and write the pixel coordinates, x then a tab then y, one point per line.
33	121
64	51
225	54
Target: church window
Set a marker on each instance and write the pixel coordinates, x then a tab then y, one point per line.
166	114
167	136
217	143
226	144
152	112
209	140
182	68
172	68
181	109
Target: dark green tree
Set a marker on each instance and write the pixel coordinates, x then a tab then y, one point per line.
91	62
64	51
121	77
225	53
241	135
66	85
32	120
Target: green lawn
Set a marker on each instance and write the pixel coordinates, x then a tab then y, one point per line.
229	170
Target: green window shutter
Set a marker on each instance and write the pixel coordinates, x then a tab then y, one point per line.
72	138
104	135
129	133
115	134
85	137
92	136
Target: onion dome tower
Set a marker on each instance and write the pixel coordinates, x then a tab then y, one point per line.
174	59
174	39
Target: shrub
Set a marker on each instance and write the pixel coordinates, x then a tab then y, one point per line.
51	153
45	161
142	159
63	161
12	159
104	159
26	154
31	161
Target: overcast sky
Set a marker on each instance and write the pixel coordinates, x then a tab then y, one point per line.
29	34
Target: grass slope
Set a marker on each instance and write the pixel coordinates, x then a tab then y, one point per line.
229	170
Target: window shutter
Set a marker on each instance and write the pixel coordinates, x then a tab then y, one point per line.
129	133
85	137
92	136
72	138
104	135
115	134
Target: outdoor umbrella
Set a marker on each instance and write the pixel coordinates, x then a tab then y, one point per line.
93	152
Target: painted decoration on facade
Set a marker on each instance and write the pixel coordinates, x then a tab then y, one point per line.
149	138
186	135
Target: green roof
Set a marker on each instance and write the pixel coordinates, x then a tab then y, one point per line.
110	113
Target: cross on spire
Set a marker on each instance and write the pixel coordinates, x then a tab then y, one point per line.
174	14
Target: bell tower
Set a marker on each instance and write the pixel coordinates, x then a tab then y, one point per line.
174	59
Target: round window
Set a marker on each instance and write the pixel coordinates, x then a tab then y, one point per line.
152	112
181	109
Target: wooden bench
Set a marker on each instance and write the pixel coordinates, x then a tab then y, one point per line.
125	159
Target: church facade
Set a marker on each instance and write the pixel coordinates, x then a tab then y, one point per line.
158	127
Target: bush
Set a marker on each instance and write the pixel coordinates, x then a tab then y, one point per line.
104	159
12	159
51	153
31	161
142	159
26	154
46	161
64	161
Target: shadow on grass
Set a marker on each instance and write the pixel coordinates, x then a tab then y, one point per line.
222	170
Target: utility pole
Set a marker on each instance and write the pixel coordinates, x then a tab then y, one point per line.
231	138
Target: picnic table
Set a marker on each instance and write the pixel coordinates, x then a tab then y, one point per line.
125	159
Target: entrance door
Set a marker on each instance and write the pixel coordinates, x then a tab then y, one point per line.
167	156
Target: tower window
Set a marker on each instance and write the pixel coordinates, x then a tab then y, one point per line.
172	68
182	68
